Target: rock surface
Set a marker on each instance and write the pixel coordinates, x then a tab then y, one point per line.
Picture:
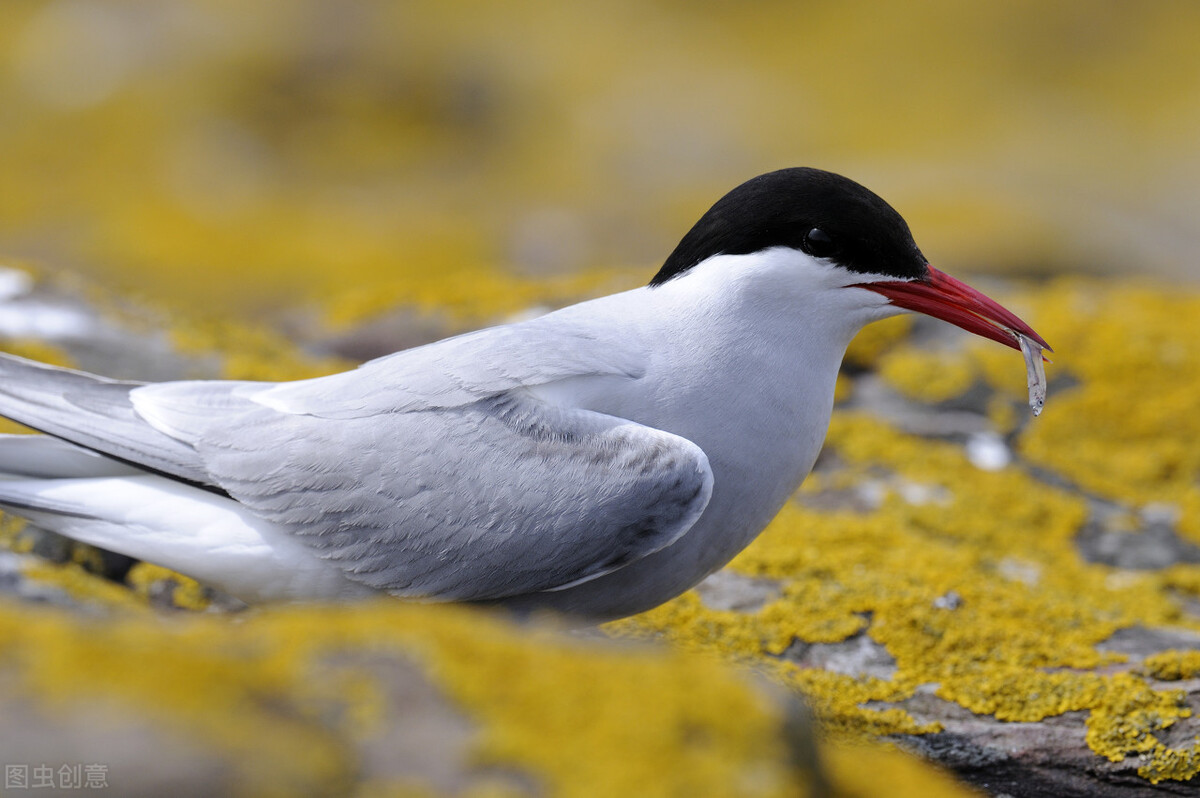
945	581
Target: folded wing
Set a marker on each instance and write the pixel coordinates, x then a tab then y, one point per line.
91	412
502	496
432	473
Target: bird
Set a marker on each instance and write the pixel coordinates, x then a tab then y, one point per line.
596	461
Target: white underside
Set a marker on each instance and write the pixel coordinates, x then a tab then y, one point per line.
206	536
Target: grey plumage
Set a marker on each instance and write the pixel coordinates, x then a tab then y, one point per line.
93	412
598	460
431	473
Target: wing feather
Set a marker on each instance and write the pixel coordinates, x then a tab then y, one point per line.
92	412
433	472
504	496
458	371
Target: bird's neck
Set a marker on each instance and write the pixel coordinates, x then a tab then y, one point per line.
747	375
754	388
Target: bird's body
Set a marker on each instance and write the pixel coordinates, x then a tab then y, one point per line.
597	460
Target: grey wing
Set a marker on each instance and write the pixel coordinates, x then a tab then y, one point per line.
501	497
427	473
154	427
92	412
460	370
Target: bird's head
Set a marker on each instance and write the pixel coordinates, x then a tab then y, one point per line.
857	239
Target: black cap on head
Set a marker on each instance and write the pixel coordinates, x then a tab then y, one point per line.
823	214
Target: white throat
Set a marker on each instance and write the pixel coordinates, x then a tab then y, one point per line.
742	355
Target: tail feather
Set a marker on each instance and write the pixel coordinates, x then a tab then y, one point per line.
103	475
40	456
94	413
211	538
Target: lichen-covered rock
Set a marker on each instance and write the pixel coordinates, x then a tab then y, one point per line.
988	609
1015	614
397	699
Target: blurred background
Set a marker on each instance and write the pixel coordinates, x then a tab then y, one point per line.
467	159
358	176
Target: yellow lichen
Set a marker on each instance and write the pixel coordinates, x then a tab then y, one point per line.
1172	665
1125	719
82	585
928	376
890	772
10	534
576	717
970	579
40	351
564	711
1174	764
185	592
839	700
842	389
88	557
1182	578
1127	430
1019	694
248	352
875	340
470	295
392	162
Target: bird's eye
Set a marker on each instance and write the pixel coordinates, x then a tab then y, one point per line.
819	244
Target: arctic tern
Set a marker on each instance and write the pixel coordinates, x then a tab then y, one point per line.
598	460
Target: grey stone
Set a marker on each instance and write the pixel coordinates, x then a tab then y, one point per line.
729	590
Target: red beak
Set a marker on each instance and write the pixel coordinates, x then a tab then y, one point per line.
941	296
